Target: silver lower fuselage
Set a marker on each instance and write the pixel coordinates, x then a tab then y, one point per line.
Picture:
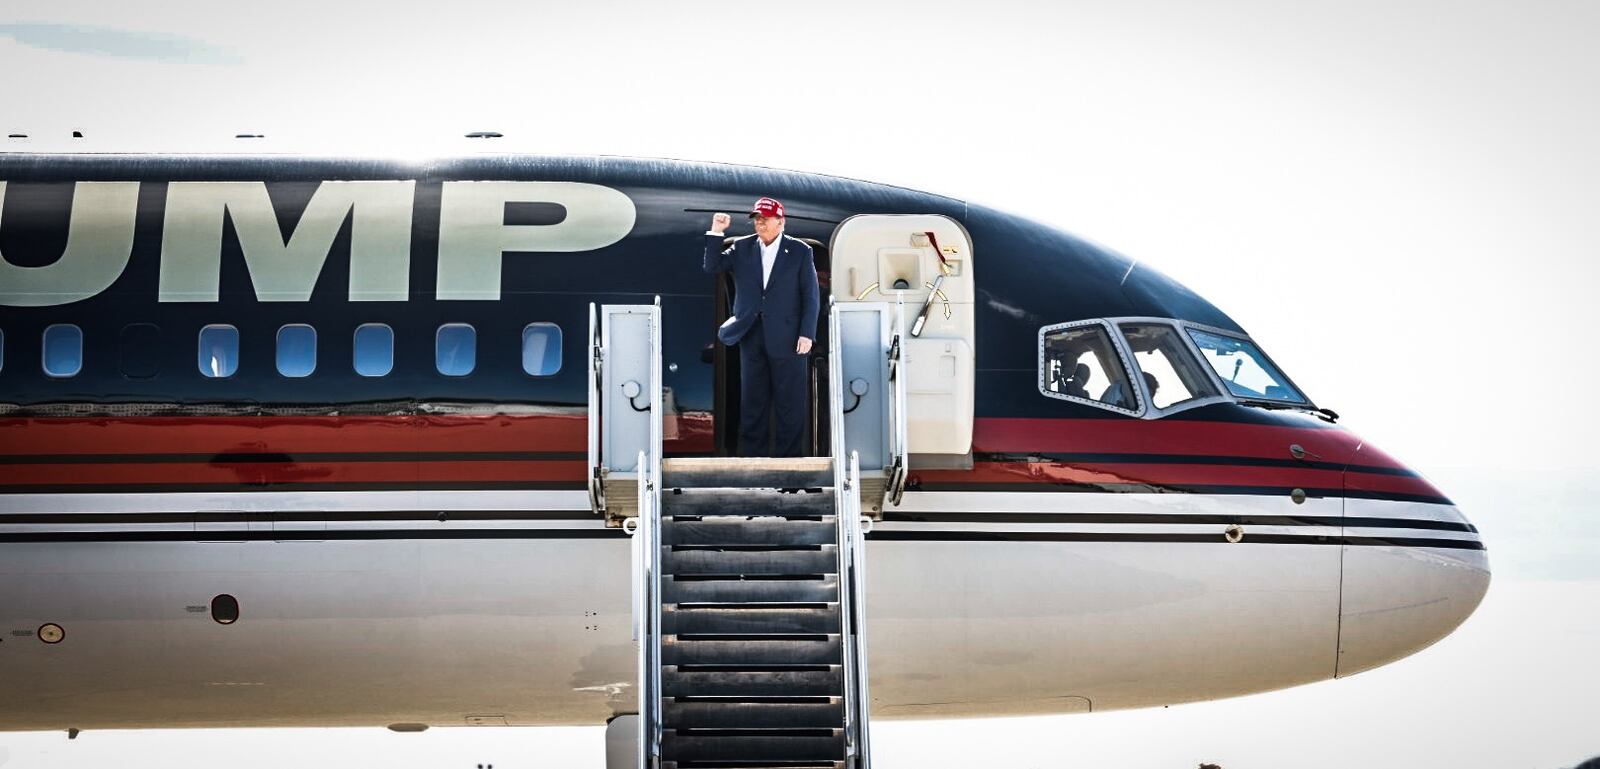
523	616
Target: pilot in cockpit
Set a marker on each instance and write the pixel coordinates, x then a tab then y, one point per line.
1151	384
1073	385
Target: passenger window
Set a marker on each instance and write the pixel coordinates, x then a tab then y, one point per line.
297	350
541	349
219	351
374	349
138	348
1244	369
456	349
1171	375
1080	362
63	350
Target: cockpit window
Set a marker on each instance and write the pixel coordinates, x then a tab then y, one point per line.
1081	363
1244	369
1171	375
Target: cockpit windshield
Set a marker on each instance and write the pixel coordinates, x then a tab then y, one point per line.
1170	374
1244	369
1080	362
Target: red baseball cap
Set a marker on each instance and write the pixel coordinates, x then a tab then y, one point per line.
766	207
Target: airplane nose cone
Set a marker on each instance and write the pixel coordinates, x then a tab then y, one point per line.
1413	572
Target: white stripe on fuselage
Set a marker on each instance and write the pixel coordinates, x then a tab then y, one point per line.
294	501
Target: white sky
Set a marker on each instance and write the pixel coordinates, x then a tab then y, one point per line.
1397	199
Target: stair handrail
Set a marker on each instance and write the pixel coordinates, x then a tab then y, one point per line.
852	631
852	608
653	489
645	629
647	612
858	610
898	465
597	501
844	490
647	562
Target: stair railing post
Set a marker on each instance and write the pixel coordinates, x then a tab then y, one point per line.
835	391
657	396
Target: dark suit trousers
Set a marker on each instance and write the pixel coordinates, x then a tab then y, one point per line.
770	380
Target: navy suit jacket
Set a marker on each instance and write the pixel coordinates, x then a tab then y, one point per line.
789	304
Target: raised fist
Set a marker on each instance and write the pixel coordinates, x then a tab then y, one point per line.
720	222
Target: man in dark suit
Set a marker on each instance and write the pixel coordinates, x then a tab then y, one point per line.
774	323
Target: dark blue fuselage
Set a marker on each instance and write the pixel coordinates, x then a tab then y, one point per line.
1032	275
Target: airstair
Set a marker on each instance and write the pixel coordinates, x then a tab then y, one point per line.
749	573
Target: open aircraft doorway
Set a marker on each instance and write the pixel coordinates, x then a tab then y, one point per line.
725	362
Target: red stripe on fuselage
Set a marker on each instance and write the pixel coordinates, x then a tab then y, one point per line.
395	437
1153	474
173	476
1160	436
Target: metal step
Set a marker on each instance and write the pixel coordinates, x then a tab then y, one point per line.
747	472
737	744
822	649
764	530
753	765
689	588
770	764
821	680
755	712
823	559
719	500
779	618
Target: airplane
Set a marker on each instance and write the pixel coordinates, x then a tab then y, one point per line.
301	441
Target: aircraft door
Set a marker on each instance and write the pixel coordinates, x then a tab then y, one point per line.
922	263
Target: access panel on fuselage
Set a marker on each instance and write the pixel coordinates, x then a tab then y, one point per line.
917	262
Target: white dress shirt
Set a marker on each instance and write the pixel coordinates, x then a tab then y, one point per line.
769	256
